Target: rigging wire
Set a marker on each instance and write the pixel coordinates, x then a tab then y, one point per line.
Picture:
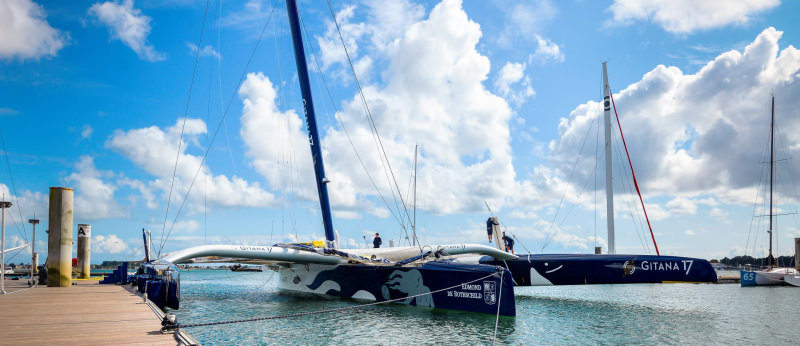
574	165
633	174
352	144
755	204
219	125
183	127
290	161
16	195
371	120
596	164
625	182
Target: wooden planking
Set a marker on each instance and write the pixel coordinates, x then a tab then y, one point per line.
82	314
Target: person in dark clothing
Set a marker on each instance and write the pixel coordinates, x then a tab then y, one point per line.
376	242
489	223
509	243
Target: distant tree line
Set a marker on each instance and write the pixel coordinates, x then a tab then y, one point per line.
783	261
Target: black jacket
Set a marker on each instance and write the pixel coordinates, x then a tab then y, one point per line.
376	243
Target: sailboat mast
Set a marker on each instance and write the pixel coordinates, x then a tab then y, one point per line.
311	121
609	185
770	258
414	224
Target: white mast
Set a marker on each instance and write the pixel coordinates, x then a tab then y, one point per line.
609	186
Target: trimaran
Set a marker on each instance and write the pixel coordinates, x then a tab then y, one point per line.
420	276
610	268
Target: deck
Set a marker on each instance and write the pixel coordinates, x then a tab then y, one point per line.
86	313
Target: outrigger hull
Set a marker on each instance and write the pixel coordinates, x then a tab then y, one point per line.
587	269
435	284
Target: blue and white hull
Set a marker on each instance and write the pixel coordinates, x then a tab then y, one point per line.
773	277
587	269
435	284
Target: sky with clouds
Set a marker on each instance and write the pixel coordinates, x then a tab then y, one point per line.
184	117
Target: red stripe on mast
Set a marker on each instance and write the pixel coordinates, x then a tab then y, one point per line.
635	183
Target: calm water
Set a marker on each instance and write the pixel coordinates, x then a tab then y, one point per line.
601	314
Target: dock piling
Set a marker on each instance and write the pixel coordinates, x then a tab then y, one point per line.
84	250
3	205
59	240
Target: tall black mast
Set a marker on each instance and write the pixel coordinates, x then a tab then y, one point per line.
311	120
770	258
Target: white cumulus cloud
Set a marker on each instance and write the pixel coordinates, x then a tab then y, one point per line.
127	24
205	51
94	195
432	94
25	32
154	150
700	134
110	244
510	74
687	16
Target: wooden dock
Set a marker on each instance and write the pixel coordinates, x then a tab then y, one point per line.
86	313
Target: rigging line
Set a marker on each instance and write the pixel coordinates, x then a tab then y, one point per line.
755	203
290	210
572	206
626	181
499	297
628	189
626	184
574	165
352	144
219	83
14	187
183	127
219	125
635	183
594	173
369	114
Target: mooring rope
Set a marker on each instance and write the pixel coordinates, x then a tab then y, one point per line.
499	299
178	326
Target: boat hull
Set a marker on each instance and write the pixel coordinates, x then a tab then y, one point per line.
580	269
793	280
436	284
773	277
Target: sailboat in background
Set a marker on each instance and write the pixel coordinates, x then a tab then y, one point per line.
773	275
611	268
418	276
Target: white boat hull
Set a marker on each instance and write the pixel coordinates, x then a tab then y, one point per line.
771	277
793	280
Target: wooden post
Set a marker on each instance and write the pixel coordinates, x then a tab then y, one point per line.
59	240
598	250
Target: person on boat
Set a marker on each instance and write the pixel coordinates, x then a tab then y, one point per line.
490	222
509	243
376	242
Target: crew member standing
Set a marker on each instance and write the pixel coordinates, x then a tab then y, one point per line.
509	243
490	222
376	243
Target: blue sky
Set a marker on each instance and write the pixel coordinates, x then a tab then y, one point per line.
500	97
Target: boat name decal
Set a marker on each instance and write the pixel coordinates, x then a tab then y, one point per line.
488	294
663	266
461	246
255	248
